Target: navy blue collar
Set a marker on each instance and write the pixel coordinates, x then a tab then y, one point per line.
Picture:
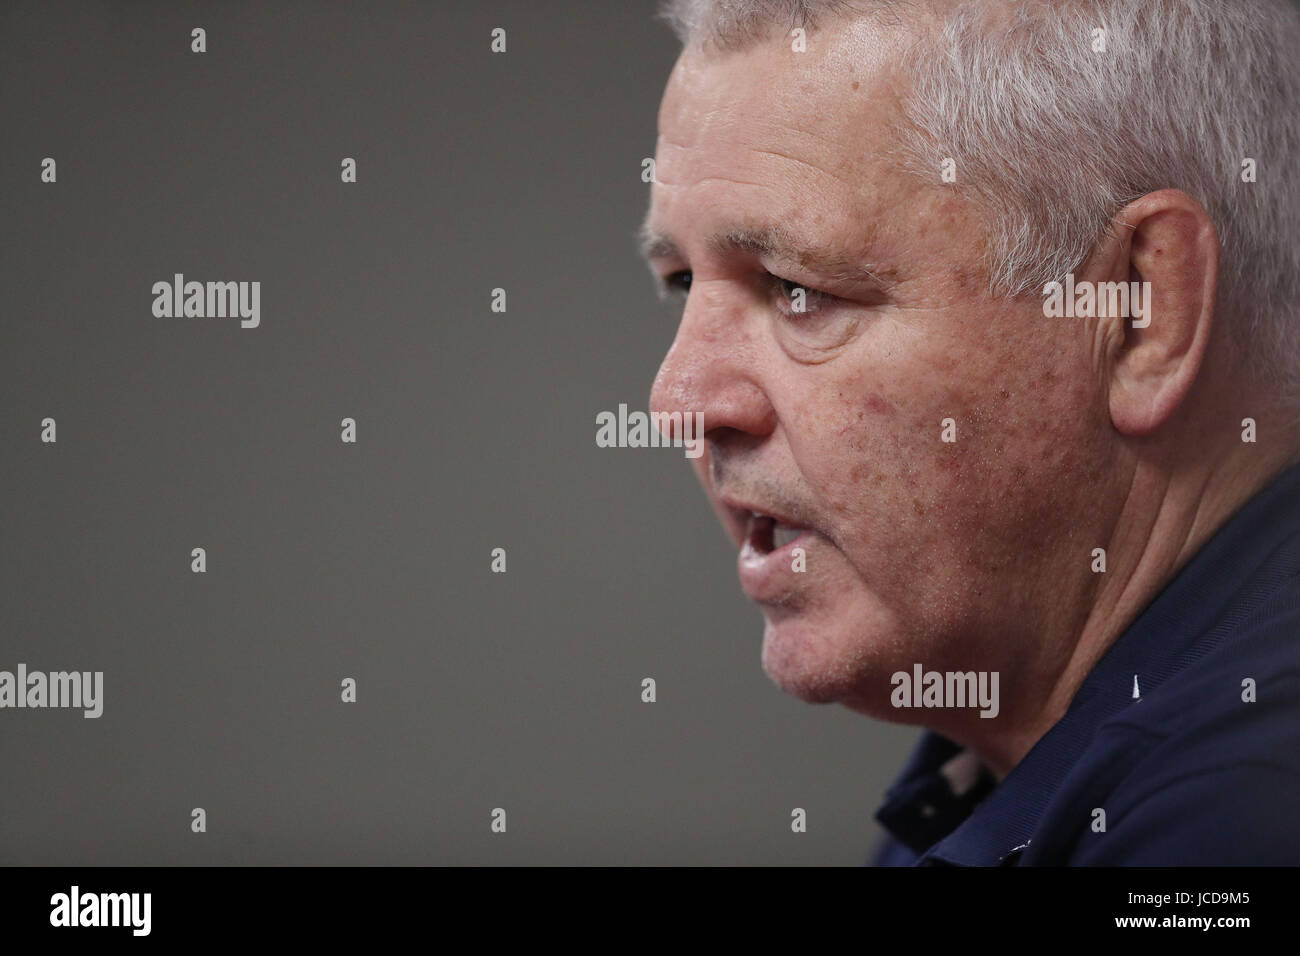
949	815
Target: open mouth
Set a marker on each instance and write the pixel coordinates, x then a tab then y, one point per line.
767	562
765	534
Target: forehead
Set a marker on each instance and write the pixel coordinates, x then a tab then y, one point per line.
767	133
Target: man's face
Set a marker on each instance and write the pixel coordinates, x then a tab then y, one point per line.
829	422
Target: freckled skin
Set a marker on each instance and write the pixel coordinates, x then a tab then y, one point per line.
958	556
876	405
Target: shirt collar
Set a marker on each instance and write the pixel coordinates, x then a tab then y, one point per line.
987	824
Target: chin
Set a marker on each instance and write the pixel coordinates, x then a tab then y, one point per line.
816	664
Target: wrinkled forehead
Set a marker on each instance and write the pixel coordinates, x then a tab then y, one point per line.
839	76
805	134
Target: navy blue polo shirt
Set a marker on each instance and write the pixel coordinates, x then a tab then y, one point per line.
1191	772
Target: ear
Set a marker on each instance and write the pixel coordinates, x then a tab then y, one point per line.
1166	243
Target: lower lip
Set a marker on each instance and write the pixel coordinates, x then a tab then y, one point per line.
768	577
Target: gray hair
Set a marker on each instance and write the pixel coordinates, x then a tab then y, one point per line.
1052	139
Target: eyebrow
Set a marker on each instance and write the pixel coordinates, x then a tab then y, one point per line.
775	242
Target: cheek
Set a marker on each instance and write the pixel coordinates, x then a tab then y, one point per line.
862	454
940	454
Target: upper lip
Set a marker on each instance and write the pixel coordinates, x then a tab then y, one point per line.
744	509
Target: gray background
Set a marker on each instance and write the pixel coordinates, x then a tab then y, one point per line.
326	560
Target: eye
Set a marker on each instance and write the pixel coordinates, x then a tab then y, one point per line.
675	284
798	299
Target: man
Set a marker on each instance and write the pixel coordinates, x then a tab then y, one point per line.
973	486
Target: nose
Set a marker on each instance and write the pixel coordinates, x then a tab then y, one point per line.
715	366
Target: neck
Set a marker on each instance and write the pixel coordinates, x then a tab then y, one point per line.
1170	512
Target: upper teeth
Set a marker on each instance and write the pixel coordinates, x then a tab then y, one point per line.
781	535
